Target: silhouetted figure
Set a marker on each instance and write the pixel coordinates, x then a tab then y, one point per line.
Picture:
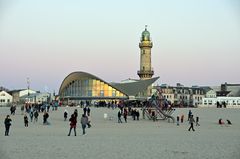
119	116
73	123
177	120
229	122
182	118
220	121
85	110
197	121
45	117
125	114
35	116
88	111
137	114
31	115
25	120
189	114
65	114
7	123
191	121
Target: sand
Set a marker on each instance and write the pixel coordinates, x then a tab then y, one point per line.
107	139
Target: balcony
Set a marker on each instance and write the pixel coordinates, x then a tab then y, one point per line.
145	72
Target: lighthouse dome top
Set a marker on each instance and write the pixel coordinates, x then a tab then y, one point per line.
145	35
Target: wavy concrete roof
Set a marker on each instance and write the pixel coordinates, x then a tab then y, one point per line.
77	75
133	88
130	89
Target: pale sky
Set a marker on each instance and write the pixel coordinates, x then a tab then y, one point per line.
195	42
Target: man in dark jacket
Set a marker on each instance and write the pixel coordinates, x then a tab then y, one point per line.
7	123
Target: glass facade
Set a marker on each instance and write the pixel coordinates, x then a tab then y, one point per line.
88	87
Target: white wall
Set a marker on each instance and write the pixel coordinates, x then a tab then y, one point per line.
5	98
230	102
25	92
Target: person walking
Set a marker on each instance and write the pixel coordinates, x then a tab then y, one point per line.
25	120
73	123
84	122
197	121
191	121
7	123
119	116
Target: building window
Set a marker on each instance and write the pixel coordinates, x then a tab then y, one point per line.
102	93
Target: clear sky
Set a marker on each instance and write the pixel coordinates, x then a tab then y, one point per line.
195	42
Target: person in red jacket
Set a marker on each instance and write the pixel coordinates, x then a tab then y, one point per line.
73	123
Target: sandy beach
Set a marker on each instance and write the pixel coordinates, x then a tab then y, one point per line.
135	139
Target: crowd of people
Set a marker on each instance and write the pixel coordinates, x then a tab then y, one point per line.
32	112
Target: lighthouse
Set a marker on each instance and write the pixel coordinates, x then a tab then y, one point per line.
145	45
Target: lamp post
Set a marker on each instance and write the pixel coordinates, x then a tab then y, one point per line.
28	86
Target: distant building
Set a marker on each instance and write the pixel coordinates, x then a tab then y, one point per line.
226	93
36	98
16	94
182	96
82	86
5	98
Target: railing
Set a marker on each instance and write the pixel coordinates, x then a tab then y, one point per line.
151	72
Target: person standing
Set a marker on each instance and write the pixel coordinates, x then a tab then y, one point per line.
197	121
137	114
177	120
88	111
7	123
191	121
31	115
84	122
125	115
73	123
25	120
84	110
189	114
36	116
182	118
65	114
22	109
45	117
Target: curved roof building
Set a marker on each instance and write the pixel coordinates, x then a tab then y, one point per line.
85	86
